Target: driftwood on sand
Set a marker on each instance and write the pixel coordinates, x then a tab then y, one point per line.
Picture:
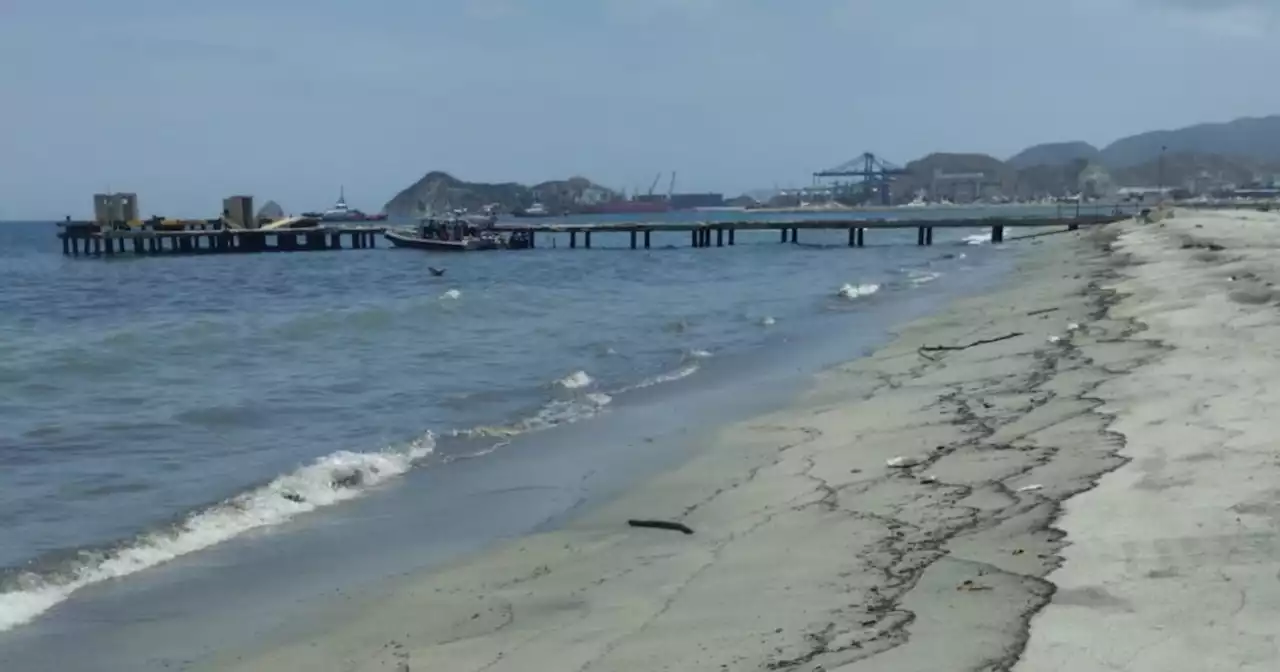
952	348
661	525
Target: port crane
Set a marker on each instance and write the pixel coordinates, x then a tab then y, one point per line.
655	183
875	178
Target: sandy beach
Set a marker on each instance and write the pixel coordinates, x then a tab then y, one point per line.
929	507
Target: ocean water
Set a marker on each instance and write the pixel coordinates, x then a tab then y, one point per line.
157	409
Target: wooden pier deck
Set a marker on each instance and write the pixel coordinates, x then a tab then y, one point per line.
700	233
89	239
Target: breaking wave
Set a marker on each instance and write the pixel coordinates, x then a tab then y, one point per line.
857	291
575	381
329	480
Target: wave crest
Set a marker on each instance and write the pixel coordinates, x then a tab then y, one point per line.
575	381
851	292
330	479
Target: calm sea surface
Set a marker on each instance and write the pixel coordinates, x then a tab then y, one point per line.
157	408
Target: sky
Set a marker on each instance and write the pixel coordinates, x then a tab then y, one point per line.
188	101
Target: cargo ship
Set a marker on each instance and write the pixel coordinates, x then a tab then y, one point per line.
628	207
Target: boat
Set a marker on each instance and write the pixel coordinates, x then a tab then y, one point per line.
456	233
341	213
535	210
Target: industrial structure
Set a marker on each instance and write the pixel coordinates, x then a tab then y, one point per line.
238	212
872	186
118	207
963	187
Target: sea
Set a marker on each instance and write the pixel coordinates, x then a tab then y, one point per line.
195	451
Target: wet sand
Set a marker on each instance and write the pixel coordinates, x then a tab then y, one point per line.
811	552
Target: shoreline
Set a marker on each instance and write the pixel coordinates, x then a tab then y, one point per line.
808	551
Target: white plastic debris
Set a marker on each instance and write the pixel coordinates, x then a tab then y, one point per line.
1031	488
1055	339
1073	327
929	479
903	462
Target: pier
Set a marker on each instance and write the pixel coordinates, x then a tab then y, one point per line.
93	240
702	234
215	237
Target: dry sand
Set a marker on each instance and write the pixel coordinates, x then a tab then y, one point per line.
810	553
1175	561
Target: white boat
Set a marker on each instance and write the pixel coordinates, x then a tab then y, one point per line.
341	213
535	210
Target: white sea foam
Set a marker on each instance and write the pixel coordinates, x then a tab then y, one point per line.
451	294
918	278
575	381
329	480
978	238
768	321
669	377
851	292
555	412
698	354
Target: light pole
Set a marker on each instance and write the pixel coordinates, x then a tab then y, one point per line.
1160	173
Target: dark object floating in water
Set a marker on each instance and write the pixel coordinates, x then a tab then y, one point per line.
661	525
436	271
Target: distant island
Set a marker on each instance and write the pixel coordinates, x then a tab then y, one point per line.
438	191
1201	159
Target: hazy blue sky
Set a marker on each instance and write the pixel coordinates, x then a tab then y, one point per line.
187	101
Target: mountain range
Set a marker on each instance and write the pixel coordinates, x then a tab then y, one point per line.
1255	138
1234	152
438	191
1231	152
